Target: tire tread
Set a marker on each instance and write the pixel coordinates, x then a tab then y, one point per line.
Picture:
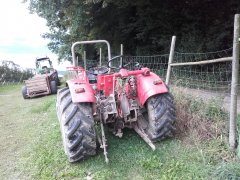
161	116
77	127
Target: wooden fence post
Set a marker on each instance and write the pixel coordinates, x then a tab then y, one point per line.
234	84
170	60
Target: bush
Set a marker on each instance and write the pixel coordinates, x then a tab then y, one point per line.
13	73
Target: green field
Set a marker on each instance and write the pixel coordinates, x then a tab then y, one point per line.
31	146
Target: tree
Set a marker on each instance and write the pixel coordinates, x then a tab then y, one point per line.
143	26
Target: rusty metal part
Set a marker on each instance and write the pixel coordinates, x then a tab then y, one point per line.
124	105
104	141
133	86
108	106
99	139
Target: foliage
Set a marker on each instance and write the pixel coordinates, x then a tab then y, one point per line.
11	72
144	26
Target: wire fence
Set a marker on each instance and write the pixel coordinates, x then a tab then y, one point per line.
11	73
213	76
195	57
157	63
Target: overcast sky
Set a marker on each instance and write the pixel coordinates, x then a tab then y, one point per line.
20	35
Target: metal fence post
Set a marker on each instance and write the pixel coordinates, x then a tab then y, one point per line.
170	60
234	84
100	57
84	60
121	53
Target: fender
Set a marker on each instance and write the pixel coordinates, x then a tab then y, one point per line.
148	86
81	91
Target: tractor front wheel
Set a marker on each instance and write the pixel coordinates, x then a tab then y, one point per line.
77	127
161	115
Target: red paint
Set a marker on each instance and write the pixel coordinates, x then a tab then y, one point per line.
126	73
80	82
87	96
146	87
79	90
75	68
148	84
105	83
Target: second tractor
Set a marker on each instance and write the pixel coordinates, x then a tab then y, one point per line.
44	82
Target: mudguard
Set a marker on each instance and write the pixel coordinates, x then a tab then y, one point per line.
81	91
148	86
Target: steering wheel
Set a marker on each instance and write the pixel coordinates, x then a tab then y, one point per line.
44	67
136	65
121	66
98	70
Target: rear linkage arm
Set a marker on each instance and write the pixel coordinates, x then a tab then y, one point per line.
103	141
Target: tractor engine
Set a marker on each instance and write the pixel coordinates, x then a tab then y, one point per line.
127	101
121	107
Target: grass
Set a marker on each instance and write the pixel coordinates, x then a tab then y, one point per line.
7	88
190	155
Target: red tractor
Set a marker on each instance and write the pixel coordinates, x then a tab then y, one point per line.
114	96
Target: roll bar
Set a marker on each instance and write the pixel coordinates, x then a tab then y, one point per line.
90	42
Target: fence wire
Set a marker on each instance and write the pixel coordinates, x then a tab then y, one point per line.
158	63
213	76
180	57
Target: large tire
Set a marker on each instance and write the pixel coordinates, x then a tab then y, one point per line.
24	92
58	82
53	87
77	127
56	78
161	115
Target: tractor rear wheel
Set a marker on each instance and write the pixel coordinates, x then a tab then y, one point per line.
24	92
53	87
161	115
77	127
